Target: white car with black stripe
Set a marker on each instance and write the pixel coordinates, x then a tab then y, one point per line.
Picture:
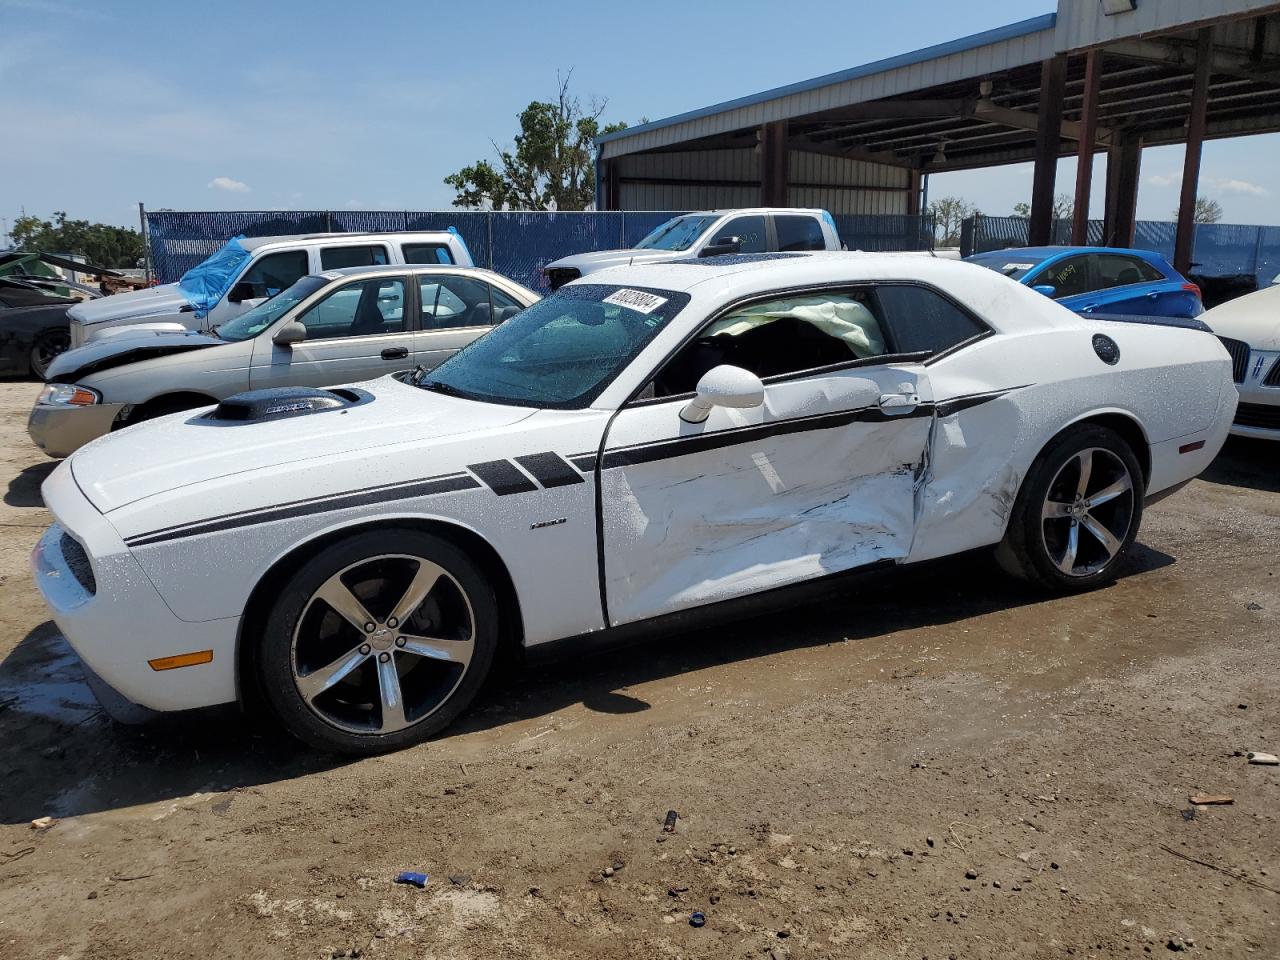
643	444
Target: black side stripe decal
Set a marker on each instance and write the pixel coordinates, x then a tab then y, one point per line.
698	443
586	462
550	469
502	477
947	407
448	483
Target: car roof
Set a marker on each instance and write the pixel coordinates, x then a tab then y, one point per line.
253	243
1044	253
815	211
399	269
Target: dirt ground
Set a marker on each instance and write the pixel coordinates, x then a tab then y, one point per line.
939	764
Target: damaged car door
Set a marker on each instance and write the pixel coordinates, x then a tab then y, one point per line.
783	442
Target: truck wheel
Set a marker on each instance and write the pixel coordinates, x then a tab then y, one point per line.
378	642
1078	512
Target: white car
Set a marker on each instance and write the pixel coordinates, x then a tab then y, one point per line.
245	272
710	233
655	440
1250	330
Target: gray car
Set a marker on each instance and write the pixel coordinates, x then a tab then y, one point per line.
341	326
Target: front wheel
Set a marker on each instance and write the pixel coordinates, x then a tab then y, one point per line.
378	642
1078	512
47	348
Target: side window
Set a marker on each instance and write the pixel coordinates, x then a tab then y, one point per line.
358	310
504	308
798	233
1117	270
920	319
335	258
276	271
1068	277
780	337
426	253
750	230
450	301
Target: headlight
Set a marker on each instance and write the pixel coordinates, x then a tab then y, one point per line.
68	395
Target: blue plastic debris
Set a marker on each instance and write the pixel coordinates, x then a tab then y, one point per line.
418	880
697	918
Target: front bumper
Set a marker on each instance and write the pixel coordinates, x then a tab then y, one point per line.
114	618
59	431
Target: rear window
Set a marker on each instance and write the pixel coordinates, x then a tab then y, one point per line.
426	253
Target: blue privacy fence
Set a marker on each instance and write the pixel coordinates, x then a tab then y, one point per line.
1221	249
515	244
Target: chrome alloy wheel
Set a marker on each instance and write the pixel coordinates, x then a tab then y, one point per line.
1088	512
383	643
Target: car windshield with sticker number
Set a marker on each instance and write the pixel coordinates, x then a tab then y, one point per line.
561	352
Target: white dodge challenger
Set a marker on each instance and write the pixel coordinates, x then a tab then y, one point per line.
647	441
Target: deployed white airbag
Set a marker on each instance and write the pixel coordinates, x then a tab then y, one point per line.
837	315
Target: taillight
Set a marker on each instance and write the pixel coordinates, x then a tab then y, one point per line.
1192	288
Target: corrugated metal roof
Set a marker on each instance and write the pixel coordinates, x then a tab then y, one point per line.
1082	23
1027	41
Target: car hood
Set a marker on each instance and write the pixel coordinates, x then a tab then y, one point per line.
127	347
602	259
185	449
1254	318
152	302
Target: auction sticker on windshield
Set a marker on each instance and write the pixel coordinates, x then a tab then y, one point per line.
636	300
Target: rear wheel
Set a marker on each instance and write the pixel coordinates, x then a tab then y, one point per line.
378	642
46	349
1078	512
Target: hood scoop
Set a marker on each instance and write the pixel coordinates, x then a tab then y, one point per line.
282	403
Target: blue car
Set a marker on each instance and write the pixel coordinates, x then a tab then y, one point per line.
1100	280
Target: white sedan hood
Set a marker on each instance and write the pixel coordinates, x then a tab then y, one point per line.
161	301
179	450
1255	319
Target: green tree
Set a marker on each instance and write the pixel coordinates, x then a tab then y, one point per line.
99	243
948	214
1063	207
552	165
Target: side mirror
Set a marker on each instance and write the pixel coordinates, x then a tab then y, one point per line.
1048	289
240	292
722	245
291	333
723	386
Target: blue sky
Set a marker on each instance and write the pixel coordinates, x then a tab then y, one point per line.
317	105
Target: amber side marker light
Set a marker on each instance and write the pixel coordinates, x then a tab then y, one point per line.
181	660
1191	447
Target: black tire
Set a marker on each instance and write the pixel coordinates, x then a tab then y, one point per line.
162	407
1037	545
380	569
47	346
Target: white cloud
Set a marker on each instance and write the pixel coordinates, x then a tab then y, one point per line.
229	185
1164	179
1238	186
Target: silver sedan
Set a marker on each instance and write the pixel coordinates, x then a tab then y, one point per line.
340	326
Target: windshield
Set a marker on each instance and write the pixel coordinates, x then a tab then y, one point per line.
677	234
561	352
1013	267
204	285
253	322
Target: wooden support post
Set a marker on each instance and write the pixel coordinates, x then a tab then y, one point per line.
1053	83
773	164
1184	243
913	192
1084	155
612	188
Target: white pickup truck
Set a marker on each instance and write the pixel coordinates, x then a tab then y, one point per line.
710	233
245	272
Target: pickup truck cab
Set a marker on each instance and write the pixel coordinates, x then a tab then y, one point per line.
245	272
710	233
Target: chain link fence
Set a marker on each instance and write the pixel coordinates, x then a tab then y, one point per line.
515	244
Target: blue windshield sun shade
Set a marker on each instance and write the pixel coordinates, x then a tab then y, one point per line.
205	284
454	231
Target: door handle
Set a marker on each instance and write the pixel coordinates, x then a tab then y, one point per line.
395	353
896	404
